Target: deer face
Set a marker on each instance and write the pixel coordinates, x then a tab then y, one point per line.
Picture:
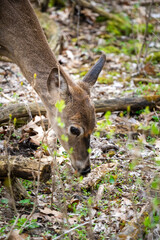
78	115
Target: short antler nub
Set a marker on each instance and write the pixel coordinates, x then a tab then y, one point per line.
92	75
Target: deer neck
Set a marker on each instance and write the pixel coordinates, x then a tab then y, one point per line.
22	40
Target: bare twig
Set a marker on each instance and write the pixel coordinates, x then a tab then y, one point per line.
9	170
12	228
71	230
144	43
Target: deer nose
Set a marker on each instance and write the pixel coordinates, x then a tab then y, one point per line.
86	170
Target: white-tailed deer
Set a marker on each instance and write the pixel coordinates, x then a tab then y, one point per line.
23	41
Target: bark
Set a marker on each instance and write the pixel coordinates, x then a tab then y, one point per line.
145	80
147	3
22	111
25	168
121	104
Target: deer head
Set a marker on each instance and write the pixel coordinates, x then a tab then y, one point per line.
78	115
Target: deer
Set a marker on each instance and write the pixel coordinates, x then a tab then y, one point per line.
23	41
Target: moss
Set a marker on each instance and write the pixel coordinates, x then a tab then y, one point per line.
131	47
120	27
109	79
104	80
140	28
83	73
107	36
58	3
113	28
101	19
153	57
108	49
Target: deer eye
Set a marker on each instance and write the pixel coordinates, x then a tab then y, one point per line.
75	131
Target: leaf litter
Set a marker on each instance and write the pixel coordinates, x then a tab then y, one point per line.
120	197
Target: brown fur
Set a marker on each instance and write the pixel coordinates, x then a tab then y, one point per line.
22	40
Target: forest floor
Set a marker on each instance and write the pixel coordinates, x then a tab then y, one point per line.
120	198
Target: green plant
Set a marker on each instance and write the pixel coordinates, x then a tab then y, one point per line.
28	224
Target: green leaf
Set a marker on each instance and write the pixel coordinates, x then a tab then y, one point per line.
64	138
60	105
147	222
154	129
112	179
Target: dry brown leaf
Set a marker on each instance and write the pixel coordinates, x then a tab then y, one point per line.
97	174
15	235
55	213
149	69
74	201
73	220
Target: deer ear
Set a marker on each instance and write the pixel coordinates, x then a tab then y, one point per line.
92	75
56	80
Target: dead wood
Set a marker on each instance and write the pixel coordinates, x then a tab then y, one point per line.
121	104
18	190
25	168
147	3
22	111
145	80
100	11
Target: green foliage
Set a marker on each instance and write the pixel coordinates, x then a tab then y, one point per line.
57	3
4	201
27	184
141	28
112	179
45	147
120	26
154	129
130	47
25	202
146	89
101	19
107	117
109	79
60	123
154	57
156	183
60	105
64	138
107	49
147	222
82	233
155	118
83	73
89	150
29	225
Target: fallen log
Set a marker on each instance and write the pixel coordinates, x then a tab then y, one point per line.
23	111
122	104
146	3
26	168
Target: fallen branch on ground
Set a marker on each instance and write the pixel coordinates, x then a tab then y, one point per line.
22	111
100	11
